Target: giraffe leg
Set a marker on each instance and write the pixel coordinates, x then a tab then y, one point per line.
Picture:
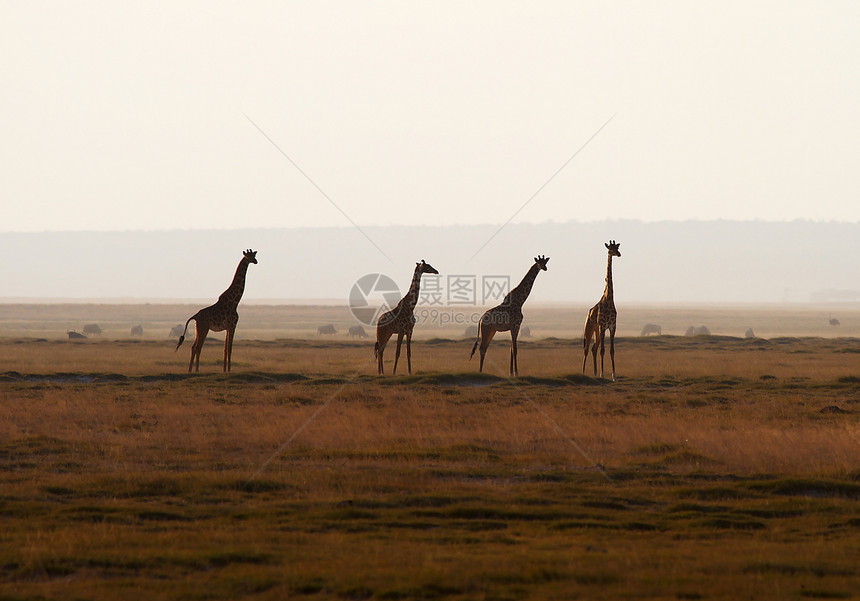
381	340
202	331
598	340
612	350
409	352
602	350
486	336
228	349
514	370
226	344
397	353
585	344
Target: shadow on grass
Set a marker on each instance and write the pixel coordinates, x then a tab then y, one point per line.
473	380
480	380
109	378
808	487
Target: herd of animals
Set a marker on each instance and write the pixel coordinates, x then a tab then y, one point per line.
505	317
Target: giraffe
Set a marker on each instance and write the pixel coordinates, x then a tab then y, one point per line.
508	315
602	317
220	316
400	321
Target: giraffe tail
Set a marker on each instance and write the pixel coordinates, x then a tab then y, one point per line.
376	350
473	348
182	338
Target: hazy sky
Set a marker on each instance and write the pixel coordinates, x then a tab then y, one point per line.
142	117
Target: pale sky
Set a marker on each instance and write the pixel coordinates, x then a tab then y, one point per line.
116	116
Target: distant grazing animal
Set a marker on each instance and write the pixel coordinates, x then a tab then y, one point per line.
697	331
833	321
602	317
220	316
401	321
92	329
176	331
471	332
508	316
526	332
651	328
137	330
357	331
75	336
327	329
749	333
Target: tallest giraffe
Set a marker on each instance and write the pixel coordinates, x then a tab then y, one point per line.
602	317
220	316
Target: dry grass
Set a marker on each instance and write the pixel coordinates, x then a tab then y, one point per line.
715	468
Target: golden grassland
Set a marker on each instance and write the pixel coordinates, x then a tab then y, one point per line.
715	468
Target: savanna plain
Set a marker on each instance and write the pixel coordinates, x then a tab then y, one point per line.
716	467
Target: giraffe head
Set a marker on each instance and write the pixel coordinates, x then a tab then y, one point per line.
425	267
541	261
613	247
251	256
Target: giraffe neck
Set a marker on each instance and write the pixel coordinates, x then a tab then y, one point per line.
411	298
233	294
518	295
608	293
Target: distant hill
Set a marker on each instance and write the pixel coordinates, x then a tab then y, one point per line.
684	262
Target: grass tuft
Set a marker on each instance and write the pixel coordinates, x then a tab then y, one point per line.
162	516
723	523
255	486
223	559
656	448
819	570
311	586
825	594
808	487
